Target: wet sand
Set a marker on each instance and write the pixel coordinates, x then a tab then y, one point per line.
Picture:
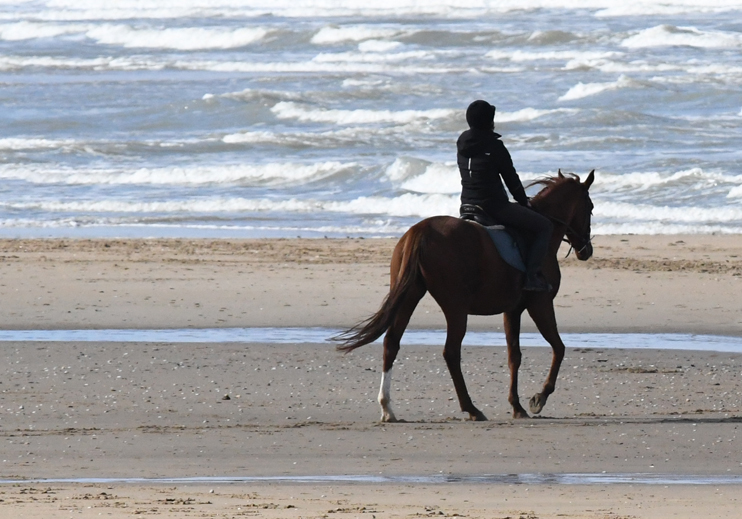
143	410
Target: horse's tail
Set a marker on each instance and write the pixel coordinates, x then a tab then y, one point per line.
407	257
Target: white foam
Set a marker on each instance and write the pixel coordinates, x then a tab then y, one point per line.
332	35
102	63
527	114
661	228
252	137
371	57
353	65
582	90
666	7
129	9
23	143
688	215
378	46
670	35
695	178
324	139
291	110
26	30
355	83
408	204
404	168
270	174
564	55
437	178
181	38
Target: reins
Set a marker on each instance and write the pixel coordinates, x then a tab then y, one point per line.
574	233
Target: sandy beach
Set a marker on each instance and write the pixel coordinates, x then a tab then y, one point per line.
149	410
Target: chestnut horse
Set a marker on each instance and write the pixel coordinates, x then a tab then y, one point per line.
457	262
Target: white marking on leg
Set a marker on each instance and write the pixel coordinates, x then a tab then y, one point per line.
385	399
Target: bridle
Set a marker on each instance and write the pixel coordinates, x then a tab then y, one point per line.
570	231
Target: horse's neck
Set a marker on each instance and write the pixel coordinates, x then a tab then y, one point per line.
559	214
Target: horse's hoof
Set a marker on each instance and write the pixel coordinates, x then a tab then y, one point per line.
536	404
389	418
477	417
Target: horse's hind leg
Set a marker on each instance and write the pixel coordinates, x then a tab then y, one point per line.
391	348
456	329
542	313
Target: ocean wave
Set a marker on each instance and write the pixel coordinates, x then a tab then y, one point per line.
660	228
561	55
696	178
323	139
265	174
195	38
371	65
379	46
9	63
372	57
406	205
26	30
582	90
341	67
175	226
688	215
291	110
26	143
437	178
670	35
529	114
665	8
126	9
332	35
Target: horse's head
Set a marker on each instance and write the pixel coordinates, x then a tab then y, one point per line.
566	201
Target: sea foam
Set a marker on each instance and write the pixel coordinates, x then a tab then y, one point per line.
291	110
127	9
670	35
259	174
582	90
332	35
176	38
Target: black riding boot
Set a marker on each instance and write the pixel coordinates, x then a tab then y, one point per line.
536	282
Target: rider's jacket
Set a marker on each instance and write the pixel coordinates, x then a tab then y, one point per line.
483	160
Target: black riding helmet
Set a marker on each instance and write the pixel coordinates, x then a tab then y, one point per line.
481	116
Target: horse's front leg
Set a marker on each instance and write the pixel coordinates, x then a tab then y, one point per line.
511	321
542	313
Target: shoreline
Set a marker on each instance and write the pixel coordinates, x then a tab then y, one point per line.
633	284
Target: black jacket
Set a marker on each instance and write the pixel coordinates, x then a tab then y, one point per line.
483	159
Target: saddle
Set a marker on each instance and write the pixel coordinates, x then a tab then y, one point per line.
510	243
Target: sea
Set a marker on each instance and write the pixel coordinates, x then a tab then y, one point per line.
314	118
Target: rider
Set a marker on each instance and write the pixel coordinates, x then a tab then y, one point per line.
483	159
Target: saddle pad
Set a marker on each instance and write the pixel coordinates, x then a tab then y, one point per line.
506	246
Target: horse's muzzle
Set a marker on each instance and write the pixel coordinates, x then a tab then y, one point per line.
585	252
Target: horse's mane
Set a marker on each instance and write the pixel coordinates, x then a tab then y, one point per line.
551	183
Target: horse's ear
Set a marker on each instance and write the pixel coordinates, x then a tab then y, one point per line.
589	181
560	173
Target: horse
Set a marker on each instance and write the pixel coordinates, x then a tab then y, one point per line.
457	262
